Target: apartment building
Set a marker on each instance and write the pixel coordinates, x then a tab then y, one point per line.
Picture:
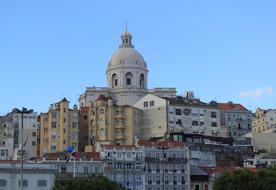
11	136
264	120
113	124
236	118
6	136
58	128
166	165
125	165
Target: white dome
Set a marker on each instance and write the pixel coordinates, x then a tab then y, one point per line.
127	56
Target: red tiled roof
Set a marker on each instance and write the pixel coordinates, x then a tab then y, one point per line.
231	106
102	97
166	143
220	169
119	147
11	161
217	169
78	155
84	109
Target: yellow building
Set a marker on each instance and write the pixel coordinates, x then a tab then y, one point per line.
113	124
264	121
58	128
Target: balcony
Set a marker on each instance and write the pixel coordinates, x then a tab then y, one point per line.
120	136
178	160
120	126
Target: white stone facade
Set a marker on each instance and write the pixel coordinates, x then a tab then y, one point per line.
29	134
127	78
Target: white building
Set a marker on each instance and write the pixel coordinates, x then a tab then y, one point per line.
11	133
29	134
127	78
125	165
7	137
36	176
161	116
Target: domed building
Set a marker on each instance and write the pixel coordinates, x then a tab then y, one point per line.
127	78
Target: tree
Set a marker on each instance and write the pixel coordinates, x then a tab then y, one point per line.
91	183
243	179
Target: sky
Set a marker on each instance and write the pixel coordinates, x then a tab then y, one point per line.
222	50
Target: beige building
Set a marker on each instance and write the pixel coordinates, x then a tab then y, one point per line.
264	121
154	116
58	128
113	124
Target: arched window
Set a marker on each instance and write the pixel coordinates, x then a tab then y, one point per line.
128	78
102	132
114	80
142	81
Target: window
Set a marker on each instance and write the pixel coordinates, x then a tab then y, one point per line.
195	123
128	78
3	183
158	179
33	143
42	183
213	114
85	170
114	80
25	183
64	110
34	134
74	125
54	115
142	81
54	137
177	111
2	152
64	120
53	147
151	103
146	104
138	177
128	81
54	125
149	180
179	122
214	124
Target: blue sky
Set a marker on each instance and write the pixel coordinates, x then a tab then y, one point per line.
221	50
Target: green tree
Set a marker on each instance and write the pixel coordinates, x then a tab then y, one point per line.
91	183
243	179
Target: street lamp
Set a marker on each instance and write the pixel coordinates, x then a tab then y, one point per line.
22	112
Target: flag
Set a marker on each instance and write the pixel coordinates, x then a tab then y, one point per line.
70	154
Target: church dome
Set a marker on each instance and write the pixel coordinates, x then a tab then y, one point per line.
126	54
127	69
